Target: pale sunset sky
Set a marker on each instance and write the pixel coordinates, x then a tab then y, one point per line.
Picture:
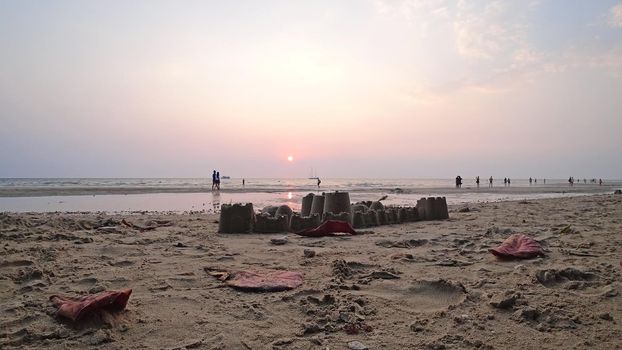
360	88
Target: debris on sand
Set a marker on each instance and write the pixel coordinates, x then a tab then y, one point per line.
506	300
405	243
264	280
357	345
151	225
74	308
518	246
279	241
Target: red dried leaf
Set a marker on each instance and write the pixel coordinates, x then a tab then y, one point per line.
74	308
518	246
329	228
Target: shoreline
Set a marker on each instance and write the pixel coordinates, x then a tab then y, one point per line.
14	192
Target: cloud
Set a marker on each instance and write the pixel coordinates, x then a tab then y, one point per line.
496	32
609	61
412	10
615	16
494	50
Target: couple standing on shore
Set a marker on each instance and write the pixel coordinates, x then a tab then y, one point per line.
216	180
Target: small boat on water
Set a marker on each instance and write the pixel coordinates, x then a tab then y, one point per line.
313	176
225	177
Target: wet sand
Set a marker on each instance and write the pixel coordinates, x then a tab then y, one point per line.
39	191
422	285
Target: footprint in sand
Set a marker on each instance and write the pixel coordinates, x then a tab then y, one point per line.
15	263
568	278
122	263
424	295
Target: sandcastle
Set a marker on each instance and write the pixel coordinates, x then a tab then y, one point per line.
432	208
240	218
236	218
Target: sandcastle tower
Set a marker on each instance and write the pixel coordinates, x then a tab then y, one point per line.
337	203
307	203
317	205
236	218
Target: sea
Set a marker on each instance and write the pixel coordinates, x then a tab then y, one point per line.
180	195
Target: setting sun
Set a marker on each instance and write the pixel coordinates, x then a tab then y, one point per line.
290	158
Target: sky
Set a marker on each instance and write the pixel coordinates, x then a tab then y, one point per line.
360	88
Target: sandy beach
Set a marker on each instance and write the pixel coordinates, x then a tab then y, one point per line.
421	285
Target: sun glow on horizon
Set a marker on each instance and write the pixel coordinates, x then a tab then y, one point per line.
290	158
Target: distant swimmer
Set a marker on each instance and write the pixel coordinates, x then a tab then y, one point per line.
490	182
318	182
477	181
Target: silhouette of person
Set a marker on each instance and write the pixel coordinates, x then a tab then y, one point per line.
243	182
544	181
477	181
458	181
570	181
530	180
505	181
509	181
213	180
318	182
490	182
218	180
600	182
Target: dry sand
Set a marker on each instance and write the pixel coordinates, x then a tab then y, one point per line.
450	293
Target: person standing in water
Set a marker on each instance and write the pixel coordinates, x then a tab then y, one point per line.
218	180
477	181
213	180
318	182
490	182
243	182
